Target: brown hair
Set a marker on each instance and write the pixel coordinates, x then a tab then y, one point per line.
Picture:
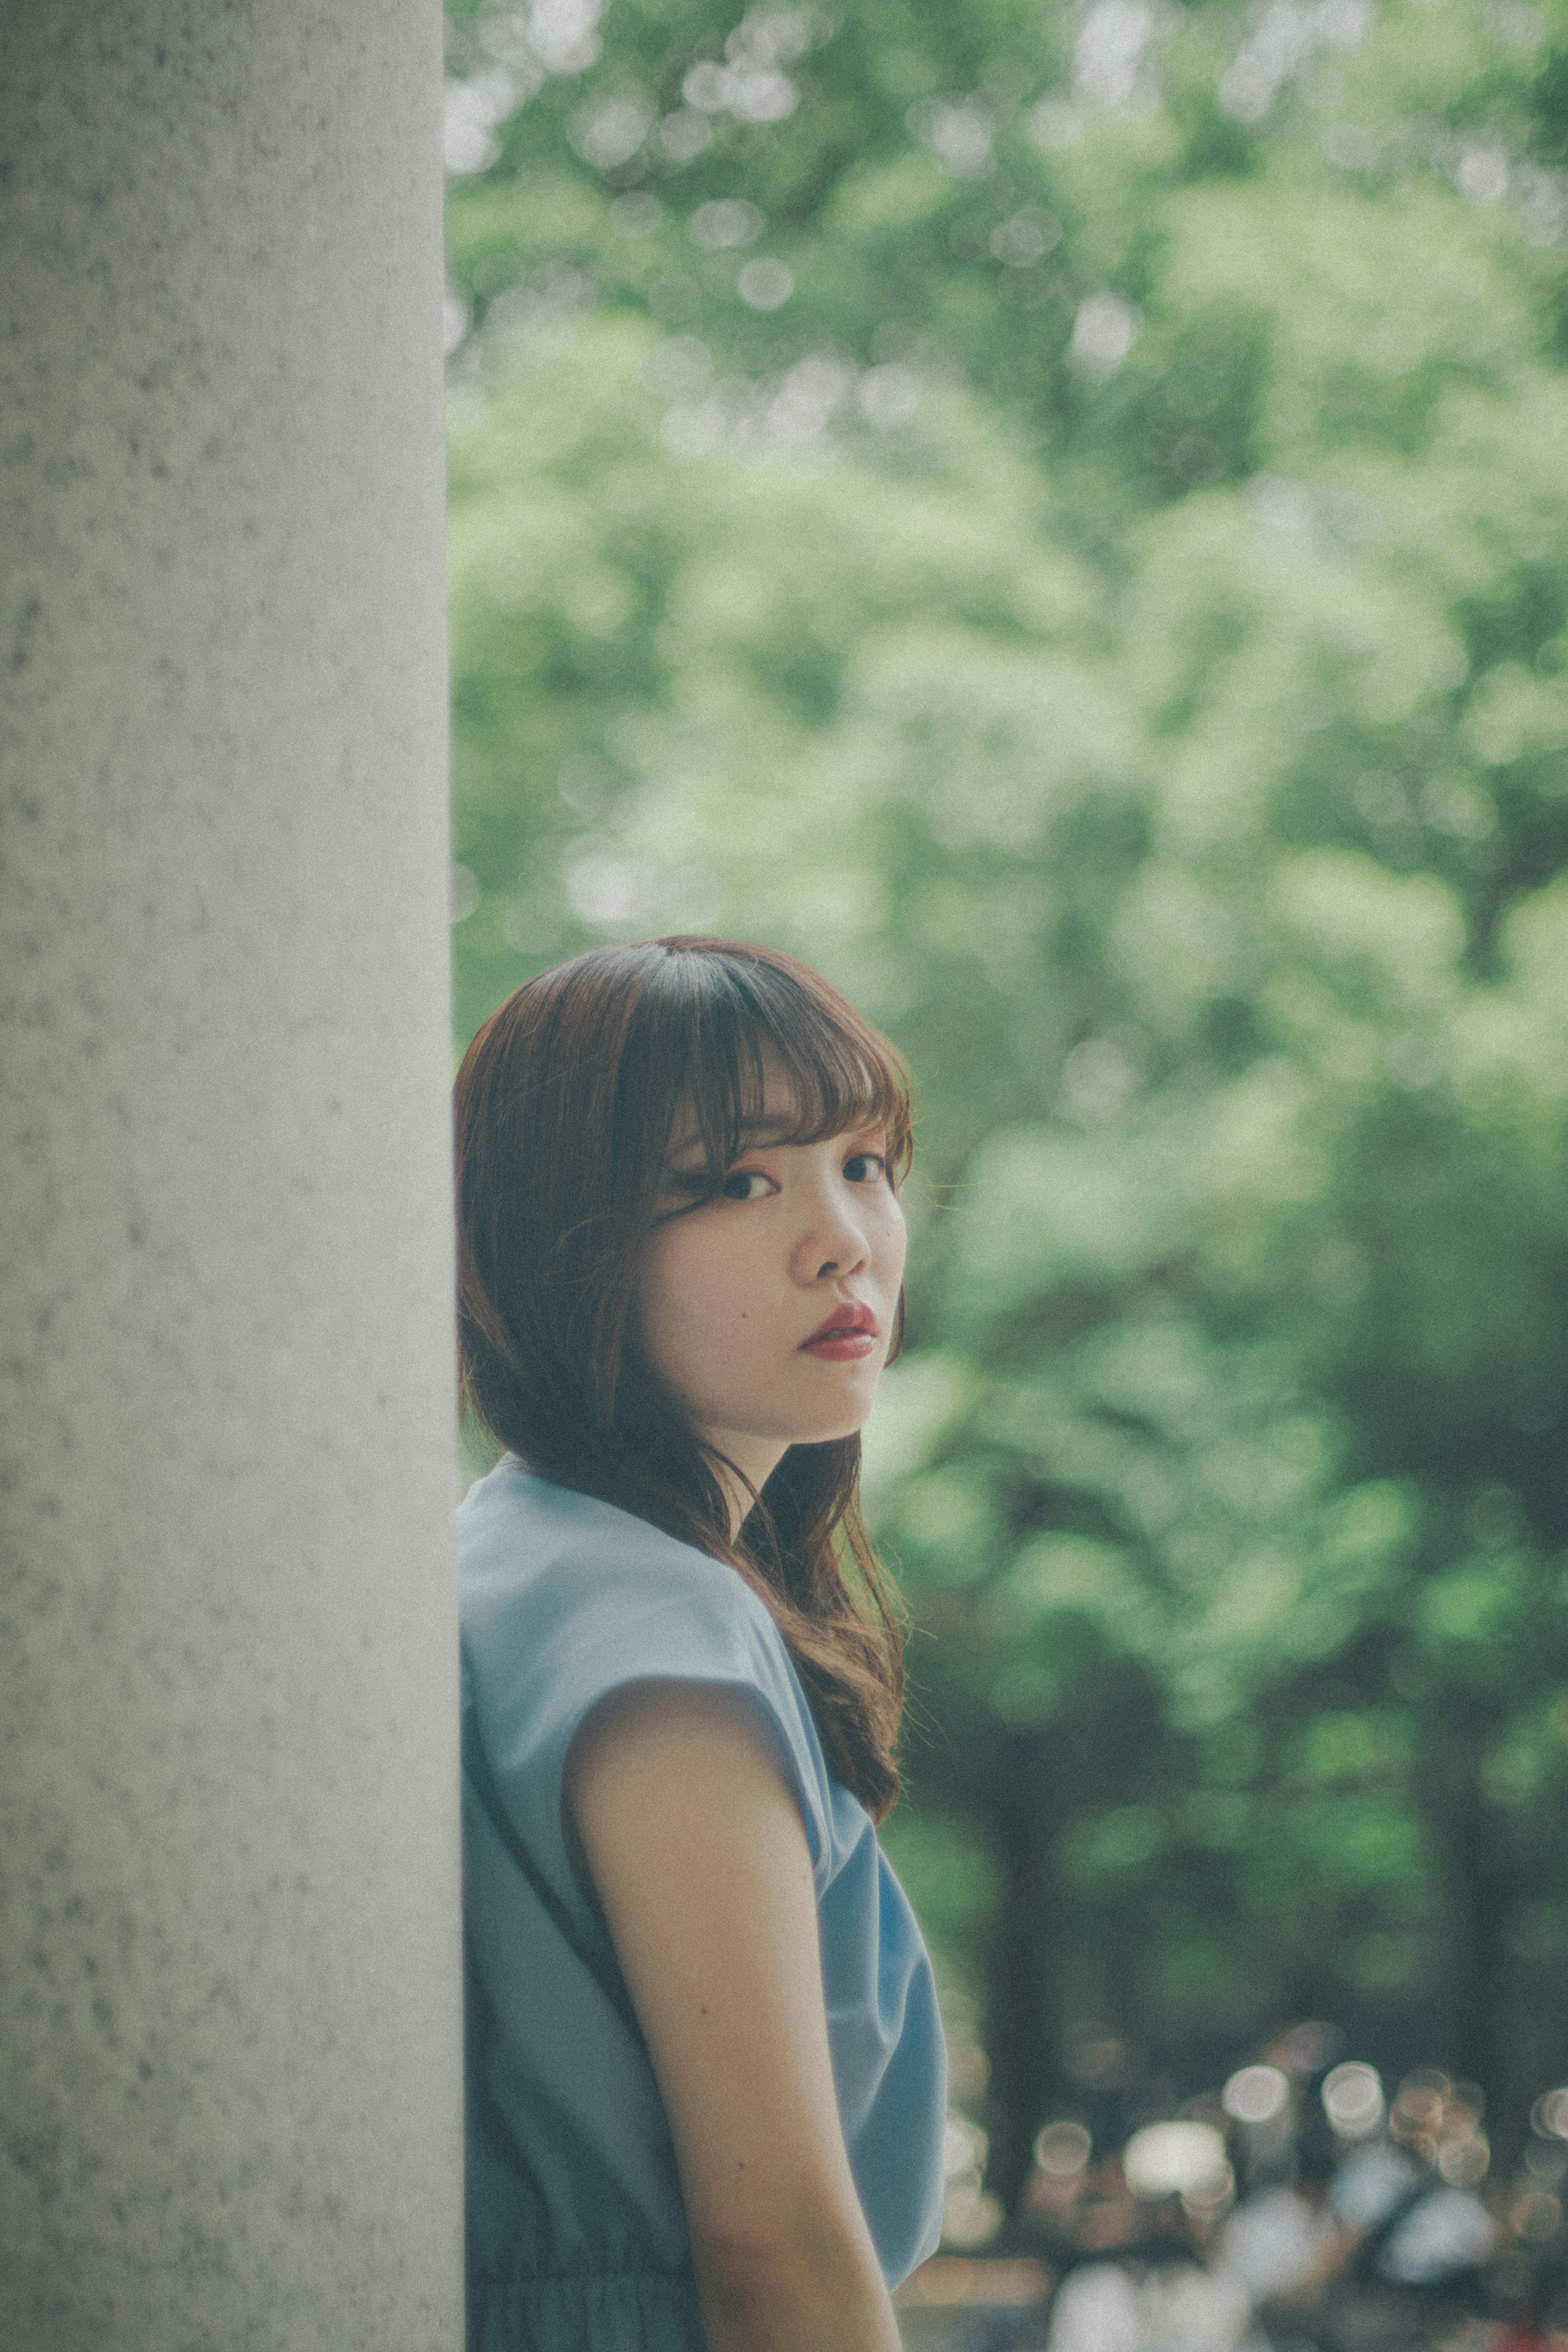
564	1104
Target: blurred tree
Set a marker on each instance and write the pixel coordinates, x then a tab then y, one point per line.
1062	519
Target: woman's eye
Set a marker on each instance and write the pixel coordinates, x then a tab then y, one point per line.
865	1168
746	1184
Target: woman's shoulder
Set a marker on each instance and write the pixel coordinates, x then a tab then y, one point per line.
559	1585
523	1541
565	1597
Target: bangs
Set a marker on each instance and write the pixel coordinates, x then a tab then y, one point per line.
753	1011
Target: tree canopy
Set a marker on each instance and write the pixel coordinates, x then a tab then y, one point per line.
1062	517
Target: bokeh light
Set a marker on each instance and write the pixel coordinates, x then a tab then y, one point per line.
1062	2149
1352	2099
1176	2159
1549	2115
1256	2094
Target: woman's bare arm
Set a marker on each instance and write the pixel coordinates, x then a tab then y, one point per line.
696	1847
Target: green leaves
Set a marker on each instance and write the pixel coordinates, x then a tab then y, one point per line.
1041	1210
1112	614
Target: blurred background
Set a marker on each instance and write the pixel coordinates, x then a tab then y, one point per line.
1060	515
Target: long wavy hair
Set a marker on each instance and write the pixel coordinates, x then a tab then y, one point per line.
565	1104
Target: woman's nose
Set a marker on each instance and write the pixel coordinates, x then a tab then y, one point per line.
834	1242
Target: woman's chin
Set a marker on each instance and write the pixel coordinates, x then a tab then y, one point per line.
848	1423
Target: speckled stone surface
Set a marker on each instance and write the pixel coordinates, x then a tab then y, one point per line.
229	1994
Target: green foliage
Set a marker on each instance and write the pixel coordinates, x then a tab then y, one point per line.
1111	611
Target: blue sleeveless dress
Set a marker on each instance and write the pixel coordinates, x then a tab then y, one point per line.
576	2239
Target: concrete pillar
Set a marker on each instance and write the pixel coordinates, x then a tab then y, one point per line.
229	1990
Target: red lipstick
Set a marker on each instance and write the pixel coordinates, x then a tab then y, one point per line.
848	1335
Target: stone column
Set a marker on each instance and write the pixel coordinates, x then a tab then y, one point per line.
229	1981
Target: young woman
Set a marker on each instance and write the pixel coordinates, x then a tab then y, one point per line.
706	2074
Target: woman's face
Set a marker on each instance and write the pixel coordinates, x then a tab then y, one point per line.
768	1313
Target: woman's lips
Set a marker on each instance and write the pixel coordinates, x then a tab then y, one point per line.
841	1347
844	1338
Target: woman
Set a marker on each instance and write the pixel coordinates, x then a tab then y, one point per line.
706	2074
